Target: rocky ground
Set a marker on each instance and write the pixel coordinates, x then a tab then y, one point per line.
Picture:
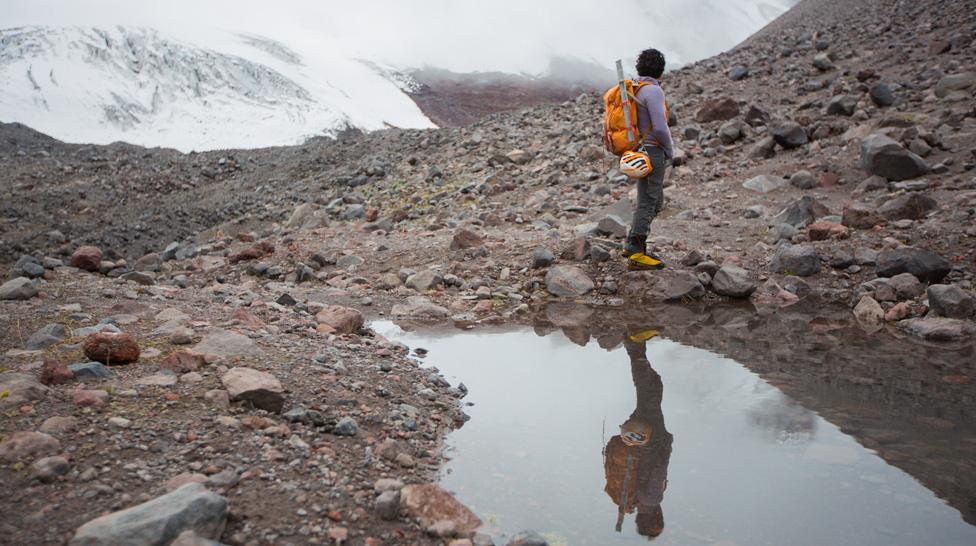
826	161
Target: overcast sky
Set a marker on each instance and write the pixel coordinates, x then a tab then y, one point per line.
460	35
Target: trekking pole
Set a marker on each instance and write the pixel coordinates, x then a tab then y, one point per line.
625	100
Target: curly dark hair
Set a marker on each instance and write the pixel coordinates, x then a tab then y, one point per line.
650	63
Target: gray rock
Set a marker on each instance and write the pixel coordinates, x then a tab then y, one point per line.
353	212
885	157
731	132
20	288
781	232
951	301
765	183
20	388
681	286
424	280
32	269
925	265
801	213
388	505
226	343
90	370
48	469
160	521
803	180
842	105
906	286
612	225
908	206
938	328
567	280
764	149
419	307
800	260
955	82
346	427
822	62
737	73
789	134
733	282
881	95
139	277
46	337
261	389
542	257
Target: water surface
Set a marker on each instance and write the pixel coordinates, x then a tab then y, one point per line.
627	436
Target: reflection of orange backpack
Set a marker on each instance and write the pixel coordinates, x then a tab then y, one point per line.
620	131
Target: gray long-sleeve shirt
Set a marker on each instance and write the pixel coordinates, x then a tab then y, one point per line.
653	114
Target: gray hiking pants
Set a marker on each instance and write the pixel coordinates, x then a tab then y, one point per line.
650	193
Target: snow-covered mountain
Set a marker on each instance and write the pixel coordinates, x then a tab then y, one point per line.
214	90
210	74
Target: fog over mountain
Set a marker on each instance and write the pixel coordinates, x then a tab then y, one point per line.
199	74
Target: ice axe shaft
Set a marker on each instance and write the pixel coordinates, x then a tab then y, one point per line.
625	101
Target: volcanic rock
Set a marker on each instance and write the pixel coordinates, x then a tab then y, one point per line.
111	348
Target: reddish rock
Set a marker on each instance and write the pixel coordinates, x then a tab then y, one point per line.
898	312
465	238
822	231
87	258
828	179
259	250
342	320
372	213
432	504
184	361
111	348
28	445
861	216
55	372
248	319
90	398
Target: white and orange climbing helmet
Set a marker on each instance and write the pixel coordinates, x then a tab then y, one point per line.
635	164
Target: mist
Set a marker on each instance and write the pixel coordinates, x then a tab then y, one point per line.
514	36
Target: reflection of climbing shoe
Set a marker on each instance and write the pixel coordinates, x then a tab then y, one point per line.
641	261
643	335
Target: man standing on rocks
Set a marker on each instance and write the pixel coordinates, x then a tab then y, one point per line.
652	120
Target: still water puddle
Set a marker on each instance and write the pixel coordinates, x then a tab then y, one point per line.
635	436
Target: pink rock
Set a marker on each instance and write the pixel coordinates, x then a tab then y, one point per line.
55	372
343	320
433	504
87	258
28	445
90	398
822	231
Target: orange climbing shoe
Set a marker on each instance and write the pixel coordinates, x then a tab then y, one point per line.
640	261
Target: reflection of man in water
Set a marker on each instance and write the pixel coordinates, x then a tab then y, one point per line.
636	460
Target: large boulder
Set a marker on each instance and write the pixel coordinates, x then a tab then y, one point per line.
20	288
883	156
87	258
733	282
342	320
419	307
869	312
842	105
679	286
789	134
927	266
800	260
948	300
111	348
261	389
160	521
568	280
722	109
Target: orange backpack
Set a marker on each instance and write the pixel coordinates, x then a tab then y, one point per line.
620	131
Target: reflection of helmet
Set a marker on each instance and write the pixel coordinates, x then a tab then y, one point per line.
635	164
636	431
